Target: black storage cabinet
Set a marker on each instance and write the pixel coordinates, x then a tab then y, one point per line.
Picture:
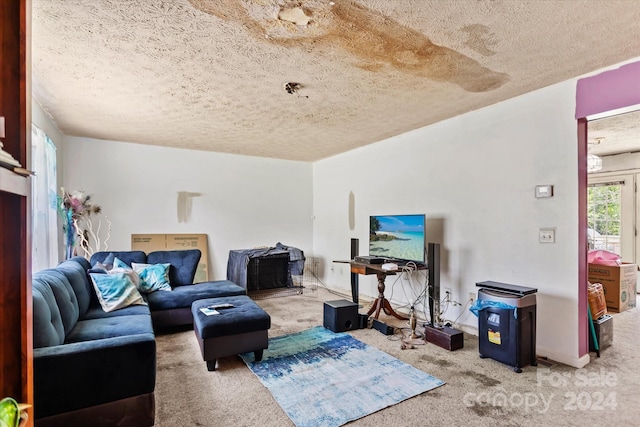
508	335
603	328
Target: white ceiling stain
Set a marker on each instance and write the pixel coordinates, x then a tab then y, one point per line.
295	15
210	74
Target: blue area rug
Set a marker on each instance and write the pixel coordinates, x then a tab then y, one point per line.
322	378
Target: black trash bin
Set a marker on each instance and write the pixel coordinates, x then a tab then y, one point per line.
507	334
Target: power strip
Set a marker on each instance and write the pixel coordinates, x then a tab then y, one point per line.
382	327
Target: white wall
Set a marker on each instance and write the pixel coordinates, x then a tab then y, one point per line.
474	177
245	201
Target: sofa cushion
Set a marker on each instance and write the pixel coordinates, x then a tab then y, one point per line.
117	289
127	256
79	260
64	295
83	374
48	329
153	277
96	312
75	269
183	264
116	326
184	296
245	316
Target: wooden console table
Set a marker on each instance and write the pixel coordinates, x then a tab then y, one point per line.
381	303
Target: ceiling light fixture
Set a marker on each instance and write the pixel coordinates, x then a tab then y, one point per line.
293	88
594	163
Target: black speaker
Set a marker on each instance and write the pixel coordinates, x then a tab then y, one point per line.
341	315
354	276
433	264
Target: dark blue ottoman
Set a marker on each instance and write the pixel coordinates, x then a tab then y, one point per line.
236	330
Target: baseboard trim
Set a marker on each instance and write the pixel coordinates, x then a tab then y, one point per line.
575	362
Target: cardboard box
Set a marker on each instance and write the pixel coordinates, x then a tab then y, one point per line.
619	284
597	301
174	242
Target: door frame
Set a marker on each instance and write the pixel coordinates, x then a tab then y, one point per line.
601	95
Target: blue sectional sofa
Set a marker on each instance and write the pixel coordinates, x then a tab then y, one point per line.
174	308
98	368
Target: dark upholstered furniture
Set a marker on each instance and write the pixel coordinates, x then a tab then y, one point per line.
239	329
90	367
98	368
174	308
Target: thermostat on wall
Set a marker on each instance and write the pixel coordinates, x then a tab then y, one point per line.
543	191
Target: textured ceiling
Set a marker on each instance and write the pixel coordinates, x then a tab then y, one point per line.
211	74
615	134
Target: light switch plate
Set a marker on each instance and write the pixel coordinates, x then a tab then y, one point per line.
547	235
543	191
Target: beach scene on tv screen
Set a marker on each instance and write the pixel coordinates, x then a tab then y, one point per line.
399	236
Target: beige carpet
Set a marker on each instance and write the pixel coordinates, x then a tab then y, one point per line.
477	392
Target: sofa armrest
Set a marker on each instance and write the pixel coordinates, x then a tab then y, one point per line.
79	375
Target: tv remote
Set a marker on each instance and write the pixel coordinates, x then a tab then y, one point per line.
221	306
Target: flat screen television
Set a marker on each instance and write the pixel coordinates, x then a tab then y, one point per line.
397	237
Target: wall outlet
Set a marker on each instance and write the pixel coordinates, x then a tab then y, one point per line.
472	297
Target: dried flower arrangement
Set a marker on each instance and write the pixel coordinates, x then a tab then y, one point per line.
76	209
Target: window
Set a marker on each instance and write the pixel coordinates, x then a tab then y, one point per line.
610	212
44	201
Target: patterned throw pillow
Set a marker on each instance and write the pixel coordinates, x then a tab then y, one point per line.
117	289
118	263
107	263
153	277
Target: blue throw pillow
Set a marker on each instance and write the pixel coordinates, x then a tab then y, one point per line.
108	261
118	263
117	289
98	269
153	277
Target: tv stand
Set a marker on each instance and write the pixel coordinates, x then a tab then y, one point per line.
381	303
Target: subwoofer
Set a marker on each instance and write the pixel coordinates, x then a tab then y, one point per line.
341	315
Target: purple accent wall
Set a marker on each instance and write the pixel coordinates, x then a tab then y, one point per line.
608	91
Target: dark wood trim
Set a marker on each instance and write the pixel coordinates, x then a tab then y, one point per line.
583	331
16	323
